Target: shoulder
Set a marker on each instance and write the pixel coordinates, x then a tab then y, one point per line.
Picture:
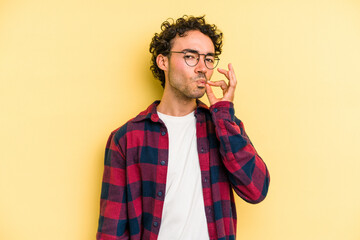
137	123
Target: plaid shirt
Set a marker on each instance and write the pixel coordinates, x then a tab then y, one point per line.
136	159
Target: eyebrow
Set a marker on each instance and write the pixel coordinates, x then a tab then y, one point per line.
194	51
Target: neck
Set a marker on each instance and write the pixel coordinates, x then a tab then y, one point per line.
176	106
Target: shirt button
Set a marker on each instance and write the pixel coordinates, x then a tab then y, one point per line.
156	224
202	150
205	179
163	133
160	194
215	110
162	162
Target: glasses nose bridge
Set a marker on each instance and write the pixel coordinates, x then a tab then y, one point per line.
198	59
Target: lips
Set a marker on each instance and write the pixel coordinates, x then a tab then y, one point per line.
201	83
201	77
200	80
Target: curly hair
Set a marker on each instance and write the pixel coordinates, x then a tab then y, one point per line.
161	42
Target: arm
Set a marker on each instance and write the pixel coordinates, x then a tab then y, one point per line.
113	222
247	172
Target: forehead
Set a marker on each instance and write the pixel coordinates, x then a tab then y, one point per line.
195	40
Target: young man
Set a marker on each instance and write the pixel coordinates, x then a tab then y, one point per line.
170	171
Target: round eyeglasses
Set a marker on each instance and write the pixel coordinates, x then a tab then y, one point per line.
192	58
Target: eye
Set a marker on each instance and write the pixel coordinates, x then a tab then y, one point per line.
209	59
190	56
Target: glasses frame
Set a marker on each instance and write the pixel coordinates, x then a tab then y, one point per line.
216	59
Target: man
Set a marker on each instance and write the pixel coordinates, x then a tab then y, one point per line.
169	172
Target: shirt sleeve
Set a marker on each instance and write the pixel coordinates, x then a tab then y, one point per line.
113	220
247	172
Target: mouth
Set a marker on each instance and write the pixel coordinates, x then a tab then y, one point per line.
201	82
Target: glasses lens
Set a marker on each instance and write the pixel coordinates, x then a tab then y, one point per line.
191	58
211	62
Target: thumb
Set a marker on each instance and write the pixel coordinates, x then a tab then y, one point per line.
210	94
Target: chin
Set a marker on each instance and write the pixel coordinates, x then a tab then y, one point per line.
198	95
194	93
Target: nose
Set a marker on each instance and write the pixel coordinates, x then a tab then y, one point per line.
201	67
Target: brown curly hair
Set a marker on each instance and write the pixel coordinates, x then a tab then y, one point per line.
161	42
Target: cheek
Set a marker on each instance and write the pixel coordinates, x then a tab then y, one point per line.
179	67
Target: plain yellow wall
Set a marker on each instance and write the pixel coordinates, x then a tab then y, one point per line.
72	71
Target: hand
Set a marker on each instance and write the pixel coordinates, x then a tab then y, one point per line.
228	89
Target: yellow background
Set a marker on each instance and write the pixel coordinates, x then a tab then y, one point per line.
72	71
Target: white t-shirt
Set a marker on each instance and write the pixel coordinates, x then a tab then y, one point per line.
183	212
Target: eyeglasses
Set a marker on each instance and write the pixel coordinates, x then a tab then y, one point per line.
192	58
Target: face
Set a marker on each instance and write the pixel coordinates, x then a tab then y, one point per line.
182	80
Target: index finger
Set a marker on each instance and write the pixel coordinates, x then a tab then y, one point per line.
232	77
225	72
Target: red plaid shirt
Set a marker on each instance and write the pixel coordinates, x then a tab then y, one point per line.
136	159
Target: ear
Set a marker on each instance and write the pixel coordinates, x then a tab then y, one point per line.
162	62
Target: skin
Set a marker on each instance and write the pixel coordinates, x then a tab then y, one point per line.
184	84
